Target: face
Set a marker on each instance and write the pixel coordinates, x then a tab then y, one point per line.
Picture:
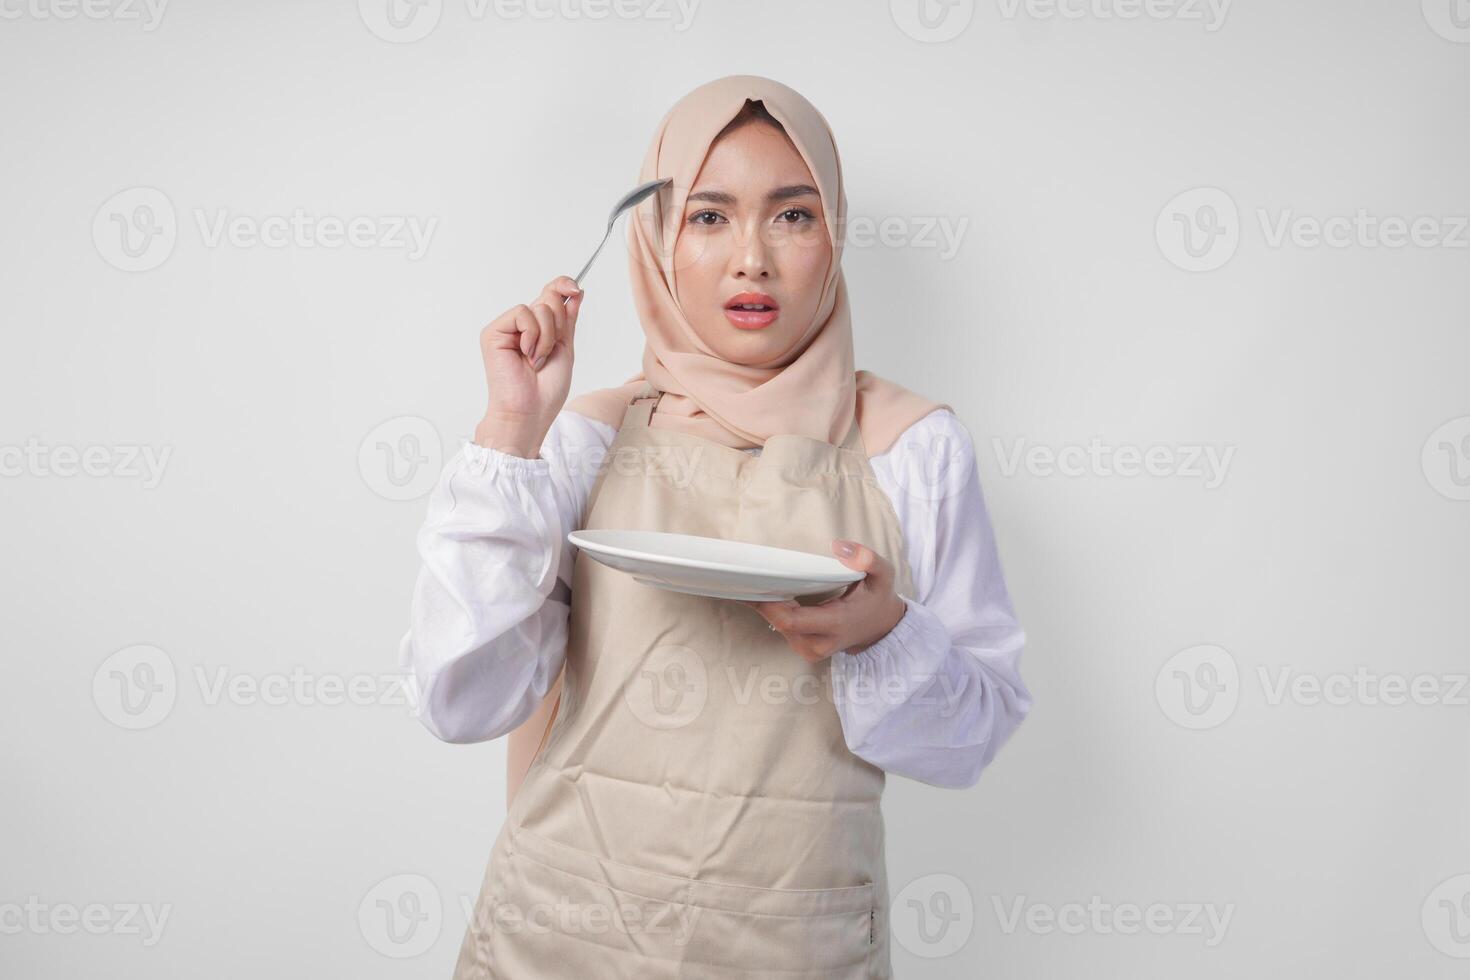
753	234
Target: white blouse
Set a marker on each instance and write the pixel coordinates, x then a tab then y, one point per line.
933	700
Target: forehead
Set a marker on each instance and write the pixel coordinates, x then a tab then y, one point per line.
753	158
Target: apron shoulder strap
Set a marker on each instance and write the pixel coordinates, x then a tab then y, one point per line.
635	416
641	407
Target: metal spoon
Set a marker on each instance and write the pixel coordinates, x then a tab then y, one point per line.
631	199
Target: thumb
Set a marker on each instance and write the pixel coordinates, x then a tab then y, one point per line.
860	558
573	307
574	302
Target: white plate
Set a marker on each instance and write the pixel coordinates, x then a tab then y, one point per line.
715	567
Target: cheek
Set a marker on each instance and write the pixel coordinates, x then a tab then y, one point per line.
696	269
808	265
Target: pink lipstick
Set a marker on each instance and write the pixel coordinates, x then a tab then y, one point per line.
751	311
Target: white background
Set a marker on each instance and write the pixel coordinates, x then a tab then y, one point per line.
291	839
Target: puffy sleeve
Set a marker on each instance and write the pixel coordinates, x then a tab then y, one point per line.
938	696
488	620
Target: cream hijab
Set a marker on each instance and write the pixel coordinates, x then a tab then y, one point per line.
812	390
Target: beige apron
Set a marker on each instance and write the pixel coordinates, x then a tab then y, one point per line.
694	811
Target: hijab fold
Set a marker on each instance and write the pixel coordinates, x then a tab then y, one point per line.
812	390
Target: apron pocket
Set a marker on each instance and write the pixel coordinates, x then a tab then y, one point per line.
641	923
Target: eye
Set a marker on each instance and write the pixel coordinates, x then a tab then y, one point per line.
801	214
697	217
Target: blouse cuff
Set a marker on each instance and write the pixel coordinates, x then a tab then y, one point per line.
482	461
907	657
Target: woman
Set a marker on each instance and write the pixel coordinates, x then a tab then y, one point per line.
707	799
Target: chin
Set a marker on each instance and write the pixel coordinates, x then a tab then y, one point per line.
750	349
746	346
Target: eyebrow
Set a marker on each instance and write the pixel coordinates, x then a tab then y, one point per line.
721	197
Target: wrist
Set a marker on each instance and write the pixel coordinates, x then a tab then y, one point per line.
513	435
898	612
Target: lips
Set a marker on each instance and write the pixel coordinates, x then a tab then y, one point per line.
752	311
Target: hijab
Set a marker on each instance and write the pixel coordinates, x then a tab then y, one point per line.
812	390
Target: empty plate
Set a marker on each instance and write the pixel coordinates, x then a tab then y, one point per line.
715	567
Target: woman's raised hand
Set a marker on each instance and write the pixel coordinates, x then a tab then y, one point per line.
528	368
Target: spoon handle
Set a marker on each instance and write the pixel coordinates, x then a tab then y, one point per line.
629	200
578	277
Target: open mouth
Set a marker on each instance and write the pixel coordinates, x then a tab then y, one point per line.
752	311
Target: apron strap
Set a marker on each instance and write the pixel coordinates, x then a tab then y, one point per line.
641	407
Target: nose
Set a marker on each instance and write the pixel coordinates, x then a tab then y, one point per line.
751	258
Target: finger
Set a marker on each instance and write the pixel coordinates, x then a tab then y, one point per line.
836	598
558	290
814	647
547	338
504	332
564	296
530	329
559	312
764	608
798	619
559	315
777	614
827	617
